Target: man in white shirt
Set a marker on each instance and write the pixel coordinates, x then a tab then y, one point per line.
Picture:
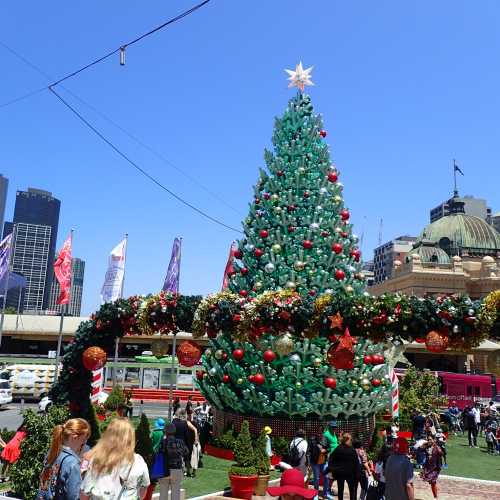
298	451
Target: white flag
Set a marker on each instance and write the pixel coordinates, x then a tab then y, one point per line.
112	288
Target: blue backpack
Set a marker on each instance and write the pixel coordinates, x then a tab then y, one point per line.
51	486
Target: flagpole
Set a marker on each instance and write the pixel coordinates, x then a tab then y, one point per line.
64	310
7	275
20	294
455	191
117	340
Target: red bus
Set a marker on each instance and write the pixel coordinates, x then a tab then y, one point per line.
466	388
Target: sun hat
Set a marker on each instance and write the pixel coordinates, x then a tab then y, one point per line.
400	446
292	483
268	429
159	423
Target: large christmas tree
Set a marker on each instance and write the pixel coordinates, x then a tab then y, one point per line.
298	247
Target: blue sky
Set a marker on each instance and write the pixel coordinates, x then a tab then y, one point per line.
404	87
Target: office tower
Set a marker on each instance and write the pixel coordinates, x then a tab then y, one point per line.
75	305
36	219
386	254
4	185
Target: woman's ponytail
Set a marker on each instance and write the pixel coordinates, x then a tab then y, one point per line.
56	445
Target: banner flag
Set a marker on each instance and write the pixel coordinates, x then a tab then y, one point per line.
112	289
62	270
229	266
171	283
5	250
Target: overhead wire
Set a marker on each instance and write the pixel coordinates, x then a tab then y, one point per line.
138	167
133	137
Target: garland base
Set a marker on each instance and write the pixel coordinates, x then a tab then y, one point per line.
361	427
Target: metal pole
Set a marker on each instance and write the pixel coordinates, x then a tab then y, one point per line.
455	191
18	306
117	342
7	276
172	374
59	342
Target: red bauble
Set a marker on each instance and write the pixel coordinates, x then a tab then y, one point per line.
238	254
378	359
258	253
200	374
344	234
259	379
344	214
322	133
436	341
269	356
224	356
263	233
226	379
94	358
291	229
257	201
339	274
325	233
356	254
251	378
420	340
266	196
243	293
376	382
470	320
312	293
306	194
238	354
307	244
330	382
189	353
236	318
368	360
333	177
280	173
291	208
337	248
244	271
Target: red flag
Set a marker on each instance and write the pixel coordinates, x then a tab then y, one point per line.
229	266
62	270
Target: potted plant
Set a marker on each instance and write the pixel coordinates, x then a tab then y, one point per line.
262	464
243	474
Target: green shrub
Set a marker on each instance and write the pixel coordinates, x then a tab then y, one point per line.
244	455
261	457
6	435
116	400
280	446
95	431
226	441
25	473
143	443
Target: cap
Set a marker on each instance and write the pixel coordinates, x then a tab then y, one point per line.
400	446
332	423
159	423
268	429
292	483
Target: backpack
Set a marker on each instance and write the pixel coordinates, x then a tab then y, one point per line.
51	486
294	455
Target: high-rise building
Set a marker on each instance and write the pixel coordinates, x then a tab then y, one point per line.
386	254
36	216
495	221
30	259
472	206
75	304
4	185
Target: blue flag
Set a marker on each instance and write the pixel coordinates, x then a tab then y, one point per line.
171	283
5	249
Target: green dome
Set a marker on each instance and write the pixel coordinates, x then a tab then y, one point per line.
429	252
457	232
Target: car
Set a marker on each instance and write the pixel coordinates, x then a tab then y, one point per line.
5	392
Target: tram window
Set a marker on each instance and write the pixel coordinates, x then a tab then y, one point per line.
166	378
469	390
132	377
477	391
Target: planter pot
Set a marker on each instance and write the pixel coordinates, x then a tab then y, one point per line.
261	486
213	451
242	486
275	459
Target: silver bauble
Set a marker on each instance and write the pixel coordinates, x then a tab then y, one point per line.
299	265
213	371
291	285
314	226
295	359
249	247
269	267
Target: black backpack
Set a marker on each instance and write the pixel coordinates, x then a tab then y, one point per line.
294	455
314	451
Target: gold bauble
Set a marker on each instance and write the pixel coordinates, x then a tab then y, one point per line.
298	385
276	248
354	382
219	353
317	362
284	345
258	285
159	347
277	210
299	265
275	198
239	381
365	383
349	289
337	199
301	170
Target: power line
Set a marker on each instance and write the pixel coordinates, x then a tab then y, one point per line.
109	54
137	167
119	127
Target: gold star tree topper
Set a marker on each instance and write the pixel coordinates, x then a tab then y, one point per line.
300	77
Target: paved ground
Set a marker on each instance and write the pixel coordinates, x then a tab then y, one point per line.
454	489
